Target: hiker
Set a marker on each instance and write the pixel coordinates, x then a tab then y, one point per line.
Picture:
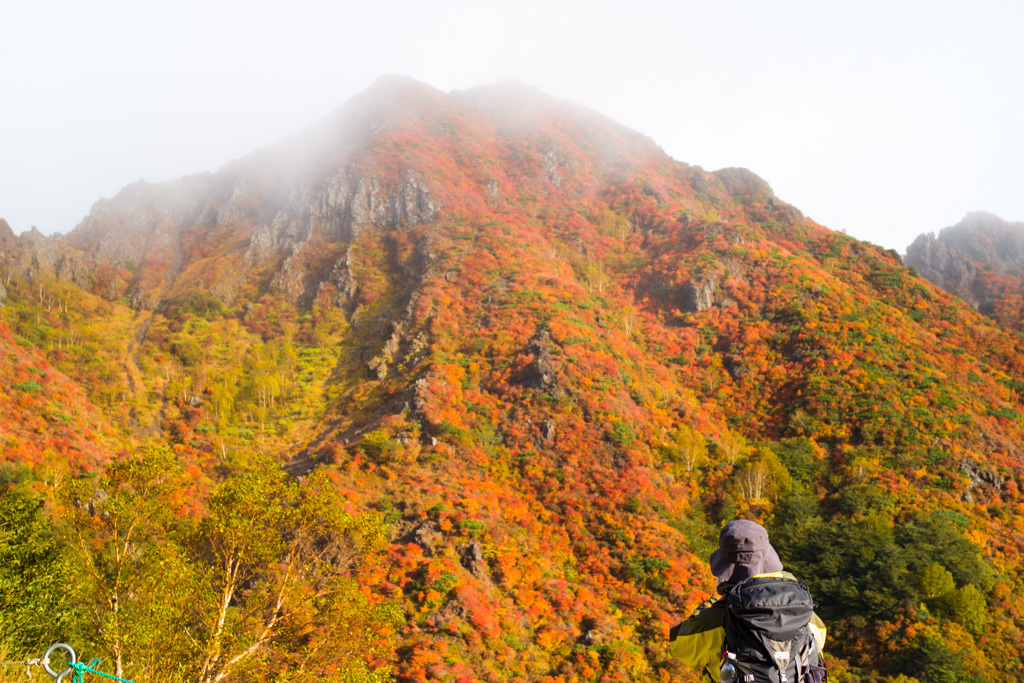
770	625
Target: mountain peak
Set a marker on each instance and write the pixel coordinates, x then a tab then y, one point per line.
983	222
397	90
988	238
399	82
980	259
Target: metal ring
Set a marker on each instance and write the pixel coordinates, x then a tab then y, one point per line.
46	660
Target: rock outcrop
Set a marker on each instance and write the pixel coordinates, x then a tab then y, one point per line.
740	182
145	228
699	296
471	557
257	216
959	258
947	268
540	372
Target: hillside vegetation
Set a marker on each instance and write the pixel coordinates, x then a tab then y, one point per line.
462	387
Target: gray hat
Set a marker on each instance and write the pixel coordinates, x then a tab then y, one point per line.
744	551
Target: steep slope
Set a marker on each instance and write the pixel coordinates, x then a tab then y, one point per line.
556	360
981	260
48	422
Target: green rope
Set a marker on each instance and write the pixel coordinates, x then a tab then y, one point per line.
81	669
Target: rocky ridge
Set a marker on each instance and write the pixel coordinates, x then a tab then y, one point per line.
972	259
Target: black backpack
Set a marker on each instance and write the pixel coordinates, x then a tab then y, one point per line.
766	625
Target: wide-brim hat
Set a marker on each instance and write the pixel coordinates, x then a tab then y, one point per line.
744	551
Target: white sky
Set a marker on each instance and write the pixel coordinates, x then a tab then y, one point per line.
884	119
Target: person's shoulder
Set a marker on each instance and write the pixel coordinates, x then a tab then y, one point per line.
716	603
776	575
708	615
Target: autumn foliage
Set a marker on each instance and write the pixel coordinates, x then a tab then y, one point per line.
494	430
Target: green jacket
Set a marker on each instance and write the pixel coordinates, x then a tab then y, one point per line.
698	640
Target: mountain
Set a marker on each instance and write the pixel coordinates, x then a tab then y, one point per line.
520	366
981	260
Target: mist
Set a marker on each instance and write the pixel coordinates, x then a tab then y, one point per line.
884	122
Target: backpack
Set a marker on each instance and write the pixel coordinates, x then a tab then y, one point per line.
766	625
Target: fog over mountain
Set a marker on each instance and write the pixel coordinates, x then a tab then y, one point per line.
981	260
881	121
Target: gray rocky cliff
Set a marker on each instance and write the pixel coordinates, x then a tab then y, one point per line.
143	217
699	296
258	214
338	208
955	259
32	254
144	228
989	240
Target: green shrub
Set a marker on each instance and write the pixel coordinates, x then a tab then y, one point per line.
472	526
621	434
200	303
379	446
1004	413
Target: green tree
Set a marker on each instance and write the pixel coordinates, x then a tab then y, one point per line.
763	476
967	605
35	605
685	448
934	582
934	538
280	565
854	568
732	447
129	579
931	659
800	456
